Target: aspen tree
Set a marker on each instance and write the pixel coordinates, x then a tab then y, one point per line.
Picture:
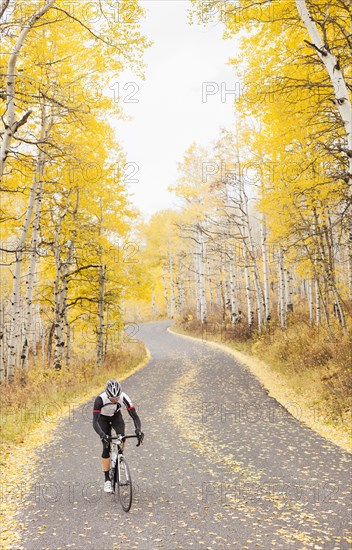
11	125
267	301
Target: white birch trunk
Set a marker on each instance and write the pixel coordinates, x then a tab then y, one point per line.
317	302
227	293
10	123
101	309
250	313
281	289
267	302
68	336
342	94
246	247
58	320
257	285
30	328
60	292
172	288
106	345
3	342
15	333
210	284
3	7
202	289
233	297
349	252
311	301
288	290
196	275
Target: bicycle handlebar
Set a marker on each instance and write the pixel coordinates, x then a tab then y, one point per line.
123	437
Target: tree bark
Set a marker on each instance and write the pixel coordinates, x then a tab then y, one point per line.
172	288
101	308
10	123
15	333
281	289
3	342
311	301
3	7
202	288
263	235
60	291
349	260
30	328
342	95
233	297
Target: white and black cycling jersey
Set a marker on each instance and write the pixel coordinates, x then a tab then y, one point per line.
103	405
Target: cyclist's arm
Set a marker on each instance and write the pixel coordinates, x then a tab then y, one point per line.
98	403
132	411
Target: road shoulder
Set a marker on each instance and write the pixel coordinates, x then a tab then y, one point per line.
275	386
16	482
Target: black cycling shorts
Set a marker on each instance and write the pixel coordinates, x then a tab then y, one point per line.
106	422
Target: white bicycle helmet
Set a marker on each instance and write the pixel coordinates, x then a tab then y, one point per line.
113	388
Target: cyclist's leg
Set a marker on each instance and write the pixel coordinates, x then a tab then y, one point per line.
105	424
118	424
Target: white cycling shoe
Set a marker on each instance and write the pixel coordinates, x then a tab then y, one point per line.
107	487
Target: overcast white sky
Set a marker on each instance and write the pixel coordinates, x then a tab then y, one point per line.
170	113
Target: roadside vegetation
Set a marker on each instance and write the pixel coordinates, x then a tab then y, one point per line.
301	367
46	394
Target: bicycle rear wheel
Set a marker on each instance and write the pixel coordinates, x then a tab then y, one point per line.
124	484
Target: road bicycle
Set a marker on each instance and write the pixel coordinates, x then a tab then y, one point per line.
120	475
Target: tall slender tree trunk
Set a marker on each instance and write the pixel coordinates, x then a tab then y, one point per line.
210	284
233	297
282	309
250	312
10	123
3	7
3	342
317	302
60	290
201	275
342	95
246	256
172	288
196	274
267	302
30	327
349	260
311	301
288	289
15	334
101	309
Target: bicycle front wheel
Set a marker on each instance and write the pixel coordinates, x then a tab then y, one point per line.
113	477
124	484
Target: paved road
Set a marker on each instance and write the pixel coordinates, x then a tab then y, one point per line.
222	466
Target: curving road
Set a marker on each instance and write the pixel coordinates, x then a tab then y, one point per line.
223	465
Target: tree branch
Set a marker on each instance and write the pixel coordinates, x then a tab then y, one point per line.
88	29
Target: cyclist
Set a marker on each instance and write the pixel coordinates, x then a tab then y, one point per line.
107	413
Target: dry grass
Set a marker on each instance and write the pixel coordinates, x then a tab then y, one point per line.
43	392
302	363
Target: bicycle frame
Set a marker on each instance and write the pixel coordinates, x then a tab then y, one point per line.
116	441
116	474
